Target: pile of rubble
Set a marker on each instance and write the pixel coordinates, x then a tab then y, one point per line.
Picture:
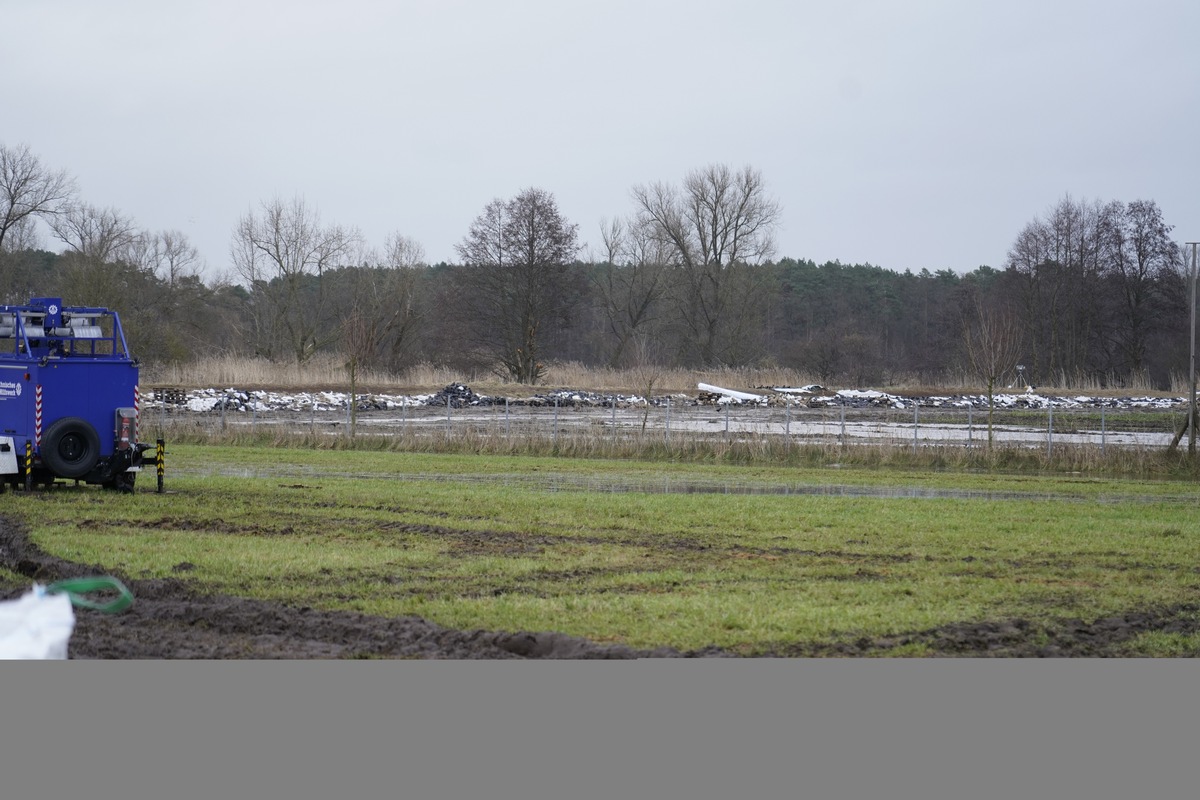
851	398
454	395
458	395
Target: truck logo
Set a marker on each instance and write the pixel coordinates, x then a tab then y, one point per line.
53	309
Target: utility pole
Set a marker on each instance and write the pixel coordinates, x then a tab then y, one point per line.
1192	351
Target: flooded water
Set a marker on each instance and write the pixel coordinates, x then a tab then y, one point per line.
651	485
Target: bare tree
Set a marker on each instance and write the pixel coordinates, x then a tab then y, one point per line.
1093	280
282	253
358	336
1059	258
168	255
517	280
177	259
718	226
383	315
176	305
100	235
28	189
1141	252
101	265
20	276
630	284
404	258
21	235
992	338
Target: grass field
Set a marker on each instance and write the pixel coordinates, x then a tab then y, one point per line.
752	559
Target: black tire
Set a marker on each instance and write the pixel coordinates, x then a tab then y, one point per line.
70	448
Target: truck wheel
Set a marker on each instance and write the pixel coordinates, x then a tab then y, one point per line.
122	482
70	447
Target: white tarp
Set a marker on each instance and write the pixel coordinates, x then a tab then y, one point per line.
707	387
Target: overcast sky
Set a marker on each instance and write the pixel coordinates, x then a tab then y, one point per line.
909	135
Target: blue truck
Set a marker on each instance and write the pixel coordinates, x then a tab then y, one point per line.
68	397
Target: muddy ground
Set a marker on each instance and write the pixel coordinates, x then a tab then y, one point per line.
169	620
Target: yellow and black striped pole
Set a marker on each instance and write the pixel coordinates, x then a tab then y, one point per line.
28	465
160	462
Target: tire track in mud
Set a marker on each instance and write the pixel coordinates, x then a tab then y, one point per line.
170	620
1106	637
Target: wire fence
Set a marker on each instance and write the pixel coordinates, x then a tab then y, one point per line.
680	422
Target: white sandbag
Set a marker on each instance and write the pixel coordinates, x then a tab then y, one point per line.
36	625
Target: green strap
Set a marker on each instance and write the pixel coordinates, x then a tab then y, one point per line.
75	588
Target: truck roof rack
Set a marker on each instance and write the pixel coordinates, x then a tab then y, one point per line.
45	328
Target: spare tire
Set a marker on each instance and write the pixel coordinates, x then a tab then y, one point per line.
70	448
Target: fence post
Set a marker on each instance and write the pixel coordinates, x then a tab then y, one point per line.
160	461
916	422
614	419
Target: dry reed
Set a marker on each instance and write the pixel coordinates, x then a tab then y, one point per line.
330	373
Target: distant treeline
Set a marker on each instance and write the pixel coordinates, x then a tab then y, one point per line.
1091	293
849	323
